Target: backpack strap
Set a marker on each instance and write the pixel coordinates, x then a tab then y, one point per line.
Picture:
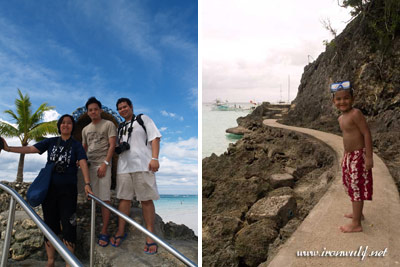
140	121
137	118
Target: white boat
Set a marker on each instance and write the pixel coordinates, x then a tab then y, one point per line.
221	106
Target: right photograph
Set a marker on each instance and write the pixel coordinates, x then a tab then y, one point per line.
300	133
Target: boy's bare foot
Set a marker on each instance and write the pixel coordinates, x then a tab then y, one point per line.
350	216
350	228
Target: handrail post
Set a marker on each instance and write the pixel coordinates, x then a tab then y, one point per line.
68	256
92	231
7	238
129	220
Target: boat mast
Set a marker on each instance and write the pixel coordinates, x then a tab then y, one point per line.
288	95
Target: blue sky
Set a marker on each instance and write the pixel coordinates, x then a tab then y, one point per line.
63	52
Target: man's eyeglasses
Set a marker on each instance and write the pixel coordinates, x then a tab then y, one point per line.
340	86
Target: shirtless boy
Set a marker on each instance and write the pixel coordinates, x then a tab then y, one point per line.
357	160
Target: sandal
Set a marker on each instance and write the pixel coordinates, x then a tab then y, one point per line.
105	238
151	245
119	237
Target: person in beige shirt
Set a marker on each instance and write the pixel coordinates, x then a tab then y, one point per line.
98	140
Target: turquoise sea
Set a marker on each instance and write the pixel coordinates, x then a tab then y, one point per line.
180	209
214	124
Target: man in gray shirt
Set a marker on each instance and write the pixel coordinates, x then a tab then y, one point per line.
98	140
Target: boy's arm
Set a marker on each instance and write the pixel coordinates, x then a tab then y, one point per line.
362	125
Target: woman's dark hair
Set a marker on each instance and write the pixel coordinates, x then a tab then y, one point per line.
124	99
93	100
60	121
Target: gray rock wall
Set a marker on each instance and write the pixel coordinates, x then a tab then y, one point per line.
247	203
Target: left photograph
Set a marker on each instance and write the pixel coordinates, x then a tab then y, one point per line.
99	133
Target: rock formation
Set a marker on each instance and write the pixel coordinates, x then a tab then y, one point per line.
367	53
251	201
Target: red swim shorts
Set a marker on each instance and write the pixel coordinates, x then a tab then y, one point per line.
357	180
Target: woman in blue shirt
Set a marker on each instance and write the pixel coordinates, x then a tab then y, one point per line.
59	207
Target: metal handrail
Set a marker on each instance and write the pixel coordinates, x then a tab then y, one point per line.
68	256
169	248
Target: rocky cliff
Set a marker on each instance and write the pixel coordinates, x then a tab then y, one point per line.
258	192
367	53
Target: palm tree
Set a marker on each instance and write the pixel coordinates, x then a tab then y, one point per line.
28	126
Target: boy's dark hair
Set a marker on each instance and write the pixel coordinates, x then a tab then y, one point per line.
350	90
124	99
93	100
60	121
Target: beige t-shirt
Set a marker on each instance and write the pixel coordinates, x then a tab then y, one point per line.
96	136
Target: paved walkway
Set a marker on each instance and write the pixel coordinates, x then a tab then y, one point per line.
320	232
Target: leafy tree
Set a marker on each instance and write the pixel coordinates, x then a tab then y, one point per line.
382	18
28	126
357	5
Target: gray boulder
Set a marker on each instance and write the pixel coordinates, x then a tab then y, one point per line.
281	179
252	241
278	208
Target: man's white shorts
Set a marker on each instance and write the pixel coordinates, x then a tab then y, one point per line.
140	184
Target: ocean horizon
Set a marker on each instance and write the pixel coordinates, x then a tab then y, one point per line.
179	208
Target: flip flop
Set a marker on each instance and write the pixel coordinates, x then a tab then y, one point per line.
150	245
119	237
105	238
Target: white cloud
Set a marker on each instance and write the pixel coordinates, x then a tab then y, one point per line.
250	48
171	115
13	124
193	97
9	163
182	149
20	68
32	164
51	115
178	164
162	129
129	23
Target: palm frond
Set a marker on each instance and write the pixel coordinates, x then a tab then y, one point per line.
39	113
12	114
23	105
8	130
43	129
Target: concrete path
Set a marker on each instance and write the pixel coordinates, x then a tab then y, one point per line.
320	233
